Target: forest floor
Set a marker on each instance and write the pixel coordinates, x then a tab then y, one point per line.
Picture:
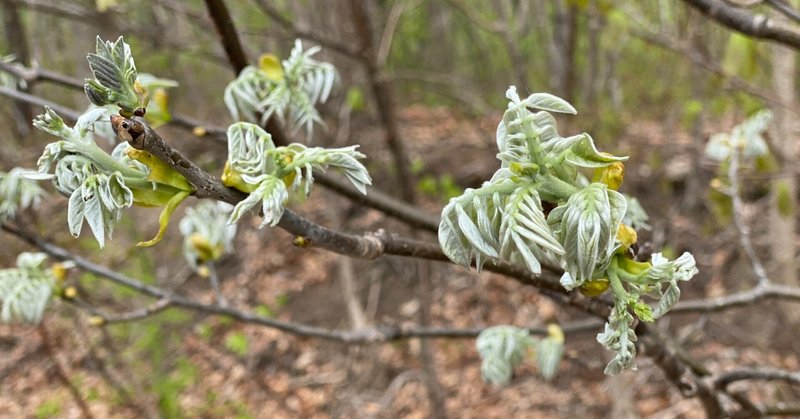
188	365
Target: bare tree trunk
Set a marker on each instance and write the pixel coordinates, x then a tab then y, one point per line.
784	188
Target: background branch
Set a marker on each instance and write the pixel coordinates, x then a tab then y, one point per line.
757	26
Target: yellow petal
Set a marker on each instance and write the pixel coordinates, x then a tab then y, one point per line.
611	175
233	179
554	332
271	66
594	288
163	219
160	172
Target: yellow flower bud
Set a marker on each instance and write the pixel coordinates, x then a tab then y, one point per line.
205	251
233	179
301	241
203	271
97	321
199	131
594	288
627	237
69	293
611	175
59	272
271	66
554	332
288	179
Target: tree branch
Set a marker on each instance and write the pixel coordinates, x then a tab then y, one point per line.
722	381
758	26
297	32
167	298
227	33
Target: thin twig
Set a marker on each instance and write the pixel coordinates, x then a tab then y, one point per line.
227	33
297	32
723	380
375	334
741	226
213	277
758	26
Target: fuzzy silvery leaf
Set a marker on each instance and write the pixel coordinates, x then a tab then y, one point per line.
17	192
524	230
470	223
99	200
583	153
502	348
119	154
292	97
548	102
114	74
248	149
681	269
745	138
549	353
619	337
635	216
586	227
668	300
304	160
243	95
272	194
70	173
205	228
517	134
25	291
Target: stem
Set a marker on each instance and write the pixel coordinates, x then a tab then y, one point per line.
616	284
104	160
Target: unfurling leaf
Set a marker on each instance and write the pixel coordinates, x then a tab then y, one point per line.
502	348
207	236
163	218
586	226
114	81
26	289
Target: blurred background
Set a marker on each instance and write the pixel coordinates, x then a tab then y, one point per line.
652	80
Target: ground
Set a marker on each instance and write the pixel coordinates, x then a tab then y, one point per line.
190	365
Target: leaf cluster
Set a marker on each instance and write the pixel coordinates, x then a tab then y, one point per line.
26	289
539	209
17	192
207	236
288	90
503	348
270	173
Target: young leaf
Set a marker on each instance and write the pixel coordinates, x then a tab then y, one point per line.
25	291
548	102
502	348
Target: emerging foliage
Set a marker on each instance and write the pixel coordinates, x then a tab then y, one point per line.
289	90
539	209
100	186
207	236
745	138
503	348
270	173
114	81
17	192
26	289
